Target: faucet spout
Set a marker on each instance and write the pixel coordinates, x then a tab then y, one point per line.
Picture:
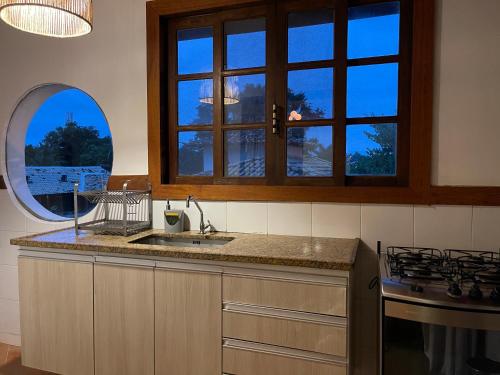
203	227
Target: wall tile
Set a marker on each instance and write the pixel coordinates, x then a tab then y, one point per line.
11	218
443	226
485	228
35	225
247	217
391	224
336	220
8	253
213	211
289	219
9	318
9	285
158	208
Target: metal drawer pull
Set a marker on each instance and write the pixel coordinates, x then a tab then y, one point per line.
284	314
281	351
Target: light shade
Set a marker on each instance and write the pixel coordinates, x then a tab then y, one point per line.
231	91
55	18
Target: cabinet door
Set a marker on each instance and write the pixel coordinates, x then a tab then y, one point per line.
56	315
124	320
188	323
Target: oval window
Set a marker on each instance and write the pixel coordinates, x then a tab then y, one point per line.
58	136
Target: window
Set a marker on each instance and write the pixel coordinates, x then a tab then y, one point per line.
295	93
54	145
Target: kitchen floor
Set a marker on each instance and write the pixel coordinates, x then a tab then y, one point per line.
10	362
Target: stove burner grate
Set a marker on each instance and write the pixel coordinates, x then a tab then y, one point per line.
457	269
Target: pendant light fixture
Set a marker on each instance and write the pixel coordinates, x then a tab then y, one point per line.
231	91
54	18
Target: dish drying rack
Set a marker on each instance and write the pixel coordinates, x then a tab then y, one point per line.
125	211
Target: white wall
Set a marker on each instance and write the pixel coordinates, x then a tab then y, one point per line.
110	65
467	86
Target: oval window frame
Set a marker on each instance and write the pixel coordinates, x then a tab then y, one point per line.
14	152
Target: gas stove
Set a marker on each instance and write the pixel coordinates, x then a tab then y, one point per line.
440	311
442	277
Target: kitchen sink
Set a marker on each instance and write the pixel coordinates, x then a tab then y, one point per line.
155	239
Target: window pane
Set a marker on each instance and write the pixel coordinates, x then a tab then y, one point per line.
245	99
195	51
310	36
372	90
196	153
373	30
68	141
195	102
310	94
245	43
309	151
244	152
371	150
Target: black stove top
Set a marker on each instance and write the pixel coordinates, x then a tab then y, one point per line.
470	274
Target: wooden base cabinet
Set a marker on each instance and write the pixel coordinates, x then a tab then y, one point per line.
57	325
283	323
188	316
124	320
85	315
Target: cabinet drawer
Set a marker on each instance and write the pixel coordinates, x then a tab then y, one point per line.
321	298
250	359
303	331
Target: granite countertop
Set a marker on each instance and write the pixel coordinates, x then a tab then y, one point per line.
312	252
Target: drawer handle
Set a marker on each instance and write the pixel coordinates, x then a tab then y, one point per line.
284	352
284	314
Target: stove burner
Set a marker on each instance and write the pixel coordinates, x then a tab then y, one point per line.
416	263
454	291
475	292
495	295
460	270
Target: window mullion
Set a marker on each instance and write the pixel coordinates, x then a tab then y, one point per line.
218	94
340	92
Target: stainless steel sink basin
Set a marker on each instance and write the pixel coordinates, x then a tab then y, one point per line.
155	239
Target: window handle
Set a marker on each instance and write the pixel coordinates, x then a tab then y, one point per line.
276	121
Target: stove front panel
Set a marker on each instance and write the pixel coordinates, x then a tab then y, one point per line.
425	340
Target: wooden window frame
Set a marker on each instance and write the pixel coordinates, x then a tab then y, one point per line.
417	188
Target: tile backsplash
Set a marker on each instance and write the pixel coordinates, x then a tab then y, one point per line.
408	225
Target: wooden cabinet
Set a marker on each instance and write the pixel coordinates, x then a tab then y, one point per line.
188	322
285	323
244	358
124	320
57	326
84	315
315	297
321	334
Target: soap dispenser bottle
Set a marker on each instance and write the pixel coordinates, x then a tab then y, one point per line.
174	220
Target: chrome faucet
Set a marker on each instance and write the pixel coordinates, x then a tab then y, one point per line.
203	227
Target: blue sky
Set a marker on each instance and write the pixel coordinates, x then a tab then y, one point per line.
54	113
372	90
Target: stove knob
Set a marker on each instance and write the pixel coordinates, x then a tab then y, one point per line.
475	292
495	295
454	291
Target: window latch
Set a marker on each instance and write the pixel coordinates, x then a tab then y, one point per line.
276	122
